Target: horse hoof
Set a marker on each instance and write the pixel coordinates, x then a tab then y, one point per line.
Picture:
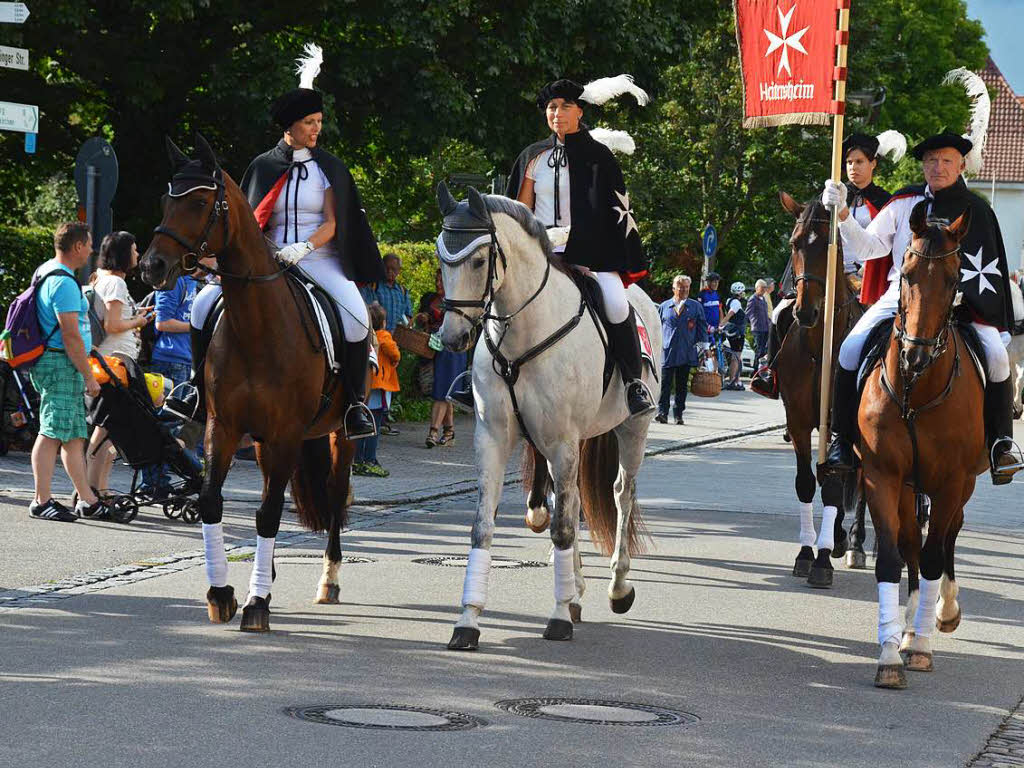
802	565
908	638
624	603
839	548
949	625
256	615
535	526
558	629
464	639
820	577
328	594
919	662
891	676
576	613
221	605
856	559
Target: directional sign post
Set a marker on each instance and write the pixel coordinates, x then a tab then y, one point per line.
709	241
13	13
13	58
19	117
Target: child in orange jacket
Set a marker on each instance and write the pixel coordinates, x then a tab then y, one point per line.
383	383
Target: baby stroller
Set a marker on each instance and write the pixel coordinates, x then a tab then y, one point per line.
18	406
142	438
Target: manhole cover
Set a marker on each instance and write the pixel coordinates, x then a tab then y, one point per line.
596	712
460	561
387	717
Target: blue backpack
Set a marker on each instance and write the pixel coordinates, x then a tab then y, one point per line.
22	342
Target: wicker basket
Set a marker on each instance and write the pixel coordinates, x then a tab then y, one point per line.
706	383
411	340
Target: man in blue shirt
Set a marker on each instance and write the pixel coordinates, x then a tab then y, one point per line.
684	330
62	377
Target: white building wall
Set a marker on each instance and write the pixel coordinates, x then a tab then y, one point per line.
1008	203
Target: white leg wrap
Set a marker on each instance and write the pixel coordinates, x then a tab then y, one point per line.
826	535
262	568
565	577
924	617
216	559
478	569
889	629
807	534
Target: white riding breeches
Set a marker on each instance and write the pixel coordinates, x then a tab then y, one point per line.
997	362
327	273
613	293
779	308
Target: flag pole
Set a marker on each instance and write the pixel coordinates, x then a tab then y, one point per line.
842	42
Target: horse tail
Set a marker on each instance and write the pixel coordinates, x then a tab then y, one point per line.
319	490
599	468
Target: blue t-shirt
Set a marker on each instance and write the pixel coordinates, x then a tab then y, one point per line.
712	306
175	304
57	295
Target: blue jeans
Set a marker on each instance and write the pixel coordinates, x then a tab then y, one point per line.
366	449
158	475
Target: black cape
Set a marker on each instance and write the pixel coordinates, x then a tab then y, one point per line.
872	196
604	237
353	239
986	294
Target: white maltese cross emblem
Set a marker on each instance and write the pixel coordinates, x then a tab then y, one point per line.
625	212
980	270
785	41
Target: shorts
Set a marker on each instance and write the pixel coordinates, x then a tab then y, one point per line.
61	391
735	343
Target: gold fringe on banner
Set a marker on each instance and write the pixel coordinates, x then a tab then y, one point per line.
789	118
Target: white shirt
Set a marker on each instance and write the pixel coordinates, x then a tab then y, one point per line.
888	231
114	288
543	177
312	194
850	258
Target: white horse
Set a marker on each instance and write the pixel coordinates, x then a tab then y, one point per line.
1016	349
499	271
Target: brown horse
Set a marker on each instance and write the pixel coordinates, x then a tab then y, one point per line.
265	375
799	375
921	414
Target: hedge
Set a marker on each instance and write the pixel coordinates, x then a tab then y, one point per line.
22	249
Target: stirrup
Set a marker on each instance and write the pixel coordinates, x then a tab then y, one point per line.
1002	474
462	397
359	406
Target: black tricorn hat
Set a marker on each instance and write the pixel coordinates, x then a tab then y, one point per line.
867	144
296	105
559	89
961	144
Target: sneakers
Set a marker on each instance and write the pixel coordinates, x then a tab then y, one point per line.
370	469
387	428
661	418
94	511
51	510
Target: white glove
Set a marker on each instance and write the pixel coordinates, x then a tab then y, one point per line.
834	195
558	236
294	253
1005	338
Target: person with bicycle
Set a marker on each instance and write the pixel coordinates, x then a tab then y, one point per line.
734	325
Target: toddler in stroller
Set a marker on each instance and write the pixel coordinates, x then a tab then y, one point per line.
128	407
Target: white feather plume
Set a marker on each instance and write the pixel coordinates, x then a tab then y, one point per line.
616	141
981	108
607	88
892	144
307	66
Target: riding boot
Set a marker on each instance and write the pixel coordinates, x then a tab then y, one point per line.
844	421
191	403
999	431
766	380
625	347
358	419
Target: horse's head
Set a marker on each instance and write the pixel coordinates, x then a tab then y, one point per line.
196	216
472	264
928	285
810	257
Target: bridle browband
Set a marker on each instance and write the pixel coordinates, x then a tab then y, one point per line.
200	249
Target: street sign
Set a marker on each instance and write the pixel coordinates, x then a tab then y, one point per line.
13	13
19	117
13	58
710	241
30	143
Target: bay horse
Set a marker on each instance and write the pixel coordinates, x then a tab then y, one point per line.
265	375
921	433
537	374
799	374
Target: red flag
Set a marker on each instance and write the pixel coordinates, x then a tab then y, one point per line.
788	57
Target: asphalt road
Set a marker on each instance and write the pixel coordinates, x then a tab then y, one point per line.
773	673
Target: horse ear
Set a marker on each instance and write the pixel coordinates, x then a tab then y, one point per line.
205	153
958	229
477	206
445	201
175	155
790	204
919	218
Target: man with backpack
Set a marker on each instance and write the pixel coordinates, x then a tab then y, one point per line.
62	376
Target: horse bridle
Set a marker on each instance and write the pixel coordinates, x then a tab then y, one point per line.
937	343
804	276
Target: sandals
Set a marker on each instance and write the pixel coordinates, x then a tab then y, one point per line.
447	437
432	437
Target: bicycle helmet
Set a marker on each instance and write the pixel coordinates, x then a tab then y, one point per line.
737	288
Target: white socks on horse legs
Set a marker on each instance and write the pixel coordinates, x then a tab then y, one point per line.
826	534
807	534
565	576
924	618
889	630
478	569
262	577
216	559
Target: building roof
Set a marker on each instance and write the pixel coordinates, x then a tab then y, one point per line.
1004	147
